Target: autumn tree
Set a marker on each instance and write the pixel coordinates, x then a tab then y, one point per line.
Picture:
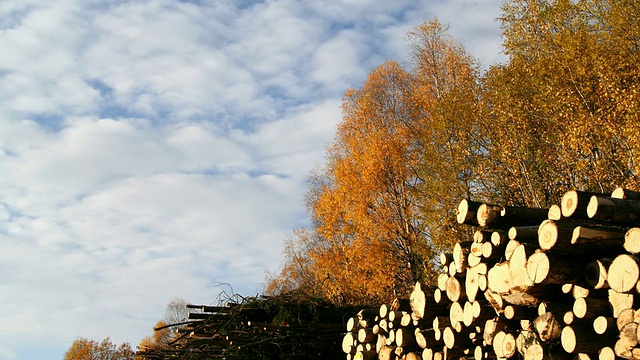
84	349
445	101
562	112
402	156
165	330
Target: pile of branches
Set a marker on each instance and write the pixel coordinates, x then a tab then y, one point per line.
287	326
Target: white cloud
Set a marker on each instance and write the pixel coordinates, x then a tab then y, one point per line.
152	149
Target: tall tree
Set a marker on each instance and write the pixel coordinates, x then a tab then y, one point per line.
403	155
569	92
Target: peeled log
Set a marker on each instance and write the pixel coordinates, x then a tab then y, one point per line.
604	208
623	273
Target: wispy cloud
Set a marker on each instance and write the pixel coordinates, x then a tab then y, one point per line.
152	149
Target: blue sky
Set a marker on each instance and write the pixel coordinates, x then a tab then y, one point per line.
150	150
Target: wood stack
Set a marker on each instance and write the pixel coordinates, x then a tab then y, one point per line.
553	283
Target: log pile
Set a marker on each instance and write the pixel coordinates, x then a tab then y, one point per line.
538	284
284	326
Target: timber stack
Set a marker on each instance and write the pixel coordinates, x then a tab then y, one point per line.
554	283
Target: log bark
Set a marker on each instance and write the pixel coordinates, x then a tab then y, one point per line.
574	203
491	328
598	240
623	274
590	308
595	273
406	337
577	339
622	193
604	208
366	336
349	343
422	302
512	312
525	234
523	216
605	325
456	313
555	235
471	280
466	212
606	353
426	338
543	268
460	253
499	238
481	236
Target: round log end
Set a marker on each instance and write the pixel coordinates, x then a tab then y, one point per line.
547	235
623	273
568	339
592	207
632	241
569	203
538	267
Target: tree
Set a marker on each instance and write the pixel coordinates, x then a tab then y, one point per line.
84	349
569	91
393	173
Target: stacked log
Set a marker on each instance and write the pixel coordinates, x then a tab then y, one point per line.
554	283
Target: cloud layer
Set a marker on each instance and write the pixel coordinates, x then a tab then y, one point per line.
154	149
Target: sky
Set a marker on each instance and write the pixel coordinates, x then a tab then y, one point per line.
159	149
